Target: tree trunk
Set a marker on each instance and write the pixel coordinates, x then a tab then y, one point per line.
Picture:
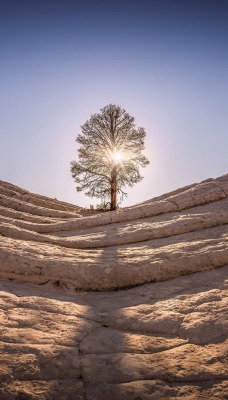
113	188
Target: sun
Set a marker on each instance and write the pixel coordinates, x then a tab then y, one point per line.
117	156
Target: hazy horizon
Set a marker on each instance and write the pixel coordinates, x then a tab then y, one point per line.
164	62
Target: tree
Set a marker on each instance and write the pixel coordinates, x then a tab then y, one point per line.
110	154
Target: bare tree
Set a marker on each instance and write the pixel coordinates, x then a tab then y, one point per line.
110	154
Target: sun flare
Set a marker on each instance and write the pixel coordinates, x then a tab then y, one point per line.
117	156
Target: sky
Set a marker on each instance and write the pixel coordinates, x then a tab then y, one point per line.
164	61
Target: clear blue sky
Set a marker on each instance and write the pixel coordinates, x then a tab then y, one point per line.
165	62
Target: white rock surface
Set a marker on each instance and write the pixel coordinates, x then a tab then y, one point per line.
120	305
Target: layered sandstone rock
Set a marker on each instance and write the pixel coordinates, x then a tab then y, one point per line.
178	234
160	335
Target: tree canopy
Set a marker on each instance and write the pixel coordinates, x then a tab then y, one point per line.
110	154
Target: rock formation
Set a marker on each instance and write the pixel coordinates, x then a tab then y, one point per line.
122	305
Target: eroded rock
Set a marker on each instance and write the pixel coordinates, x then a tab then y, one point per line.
122	305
